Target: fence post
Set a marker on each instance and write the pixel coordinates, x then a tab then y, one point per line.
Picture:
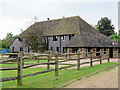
100	56
2	55
38	58
56	63
19	75
78	61
48	60
22	54
108	56
91	58
35	57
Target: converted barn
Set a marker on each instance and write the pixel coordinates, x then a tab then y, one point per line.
69	35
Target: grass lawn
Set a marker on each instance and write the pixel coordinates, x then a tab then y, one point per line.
48	80
8	65
35	61
1	58
15	63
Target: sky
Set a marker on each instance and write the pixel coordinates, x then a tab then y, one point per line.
119	15
15	13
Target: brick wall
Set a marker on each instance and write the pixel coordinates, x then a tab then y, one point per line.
69	50
83	50
105	54
115	52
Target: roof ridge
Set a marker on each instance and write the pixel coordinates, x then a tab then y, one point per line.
58	19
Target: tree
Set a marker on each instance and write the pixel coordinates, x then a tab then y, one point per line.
35	19
115	37
35	40
29	23
94	26
10	36
4	44
105	27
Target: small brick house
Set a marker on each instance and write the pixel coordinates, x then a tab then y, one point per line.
69	35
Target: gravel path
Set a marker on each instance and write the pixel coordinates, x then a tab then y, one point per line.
108	79
75	62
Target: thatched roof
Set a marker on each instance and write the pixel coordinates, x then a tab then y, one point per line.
62	26
85	35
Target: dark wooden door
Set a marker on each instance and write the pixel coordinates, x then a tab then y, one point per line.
98	50
111	52
119	52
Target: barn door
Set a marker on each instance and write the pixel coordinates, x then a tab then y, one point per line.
98	50
111	52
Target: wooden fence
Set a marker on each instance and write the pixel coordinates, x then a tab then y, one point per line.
52	59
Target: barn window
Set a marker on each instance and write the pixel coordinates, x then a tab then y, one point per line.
74	50
70	36
51	48
81	49
21	49
104	50
55	38
28	49
63	37
57	49
115	49
19	39
64	50
119	50
89	49
12	48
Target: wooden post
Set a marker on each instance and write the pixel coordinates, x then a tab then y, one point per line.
48	60
22	54
34	58
2	55
78	61
38	59
91	58
100	56
56	63
19	75
108	56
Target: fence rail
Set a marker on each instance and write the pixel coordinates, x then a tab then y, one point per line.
7	60
57	57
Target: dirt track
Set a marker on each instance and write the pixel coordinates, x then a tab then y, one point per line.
82	61
108	79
